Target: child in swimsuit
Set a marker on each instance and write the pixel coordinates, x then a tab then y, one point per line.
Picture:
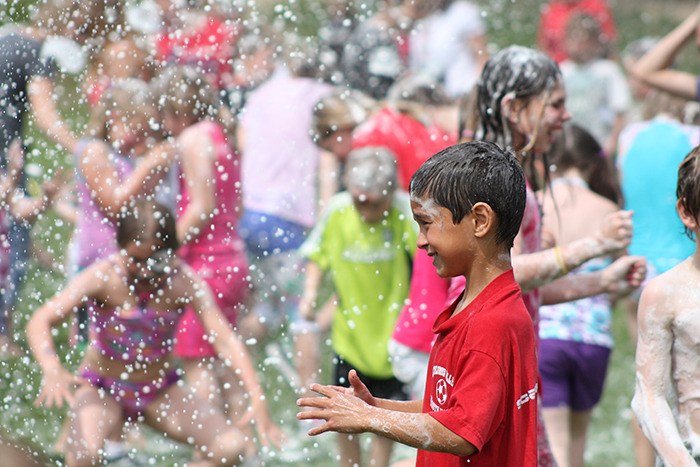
139	294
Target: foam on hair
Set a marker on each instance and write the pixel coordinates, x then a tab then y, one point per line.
371	170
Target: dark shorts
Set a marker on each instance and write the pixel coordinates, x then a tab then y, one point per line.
390	388
265	234
572	373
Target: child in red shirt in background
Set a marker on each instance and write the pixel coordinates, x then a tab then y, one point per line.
555	16
479	407
418	121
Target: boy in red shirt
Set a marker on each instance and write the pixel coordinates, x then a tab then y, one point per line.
479	407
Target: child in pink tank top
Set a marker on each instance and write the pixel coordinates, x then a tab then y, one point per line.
207	219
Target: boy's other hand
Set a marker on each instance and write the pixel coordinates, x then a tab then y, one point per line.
359	389
343	411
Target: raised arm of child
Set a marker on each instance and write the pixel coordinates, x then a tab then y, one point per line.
355	410
654	350
101	175
533	270
46	115
653	70
233	352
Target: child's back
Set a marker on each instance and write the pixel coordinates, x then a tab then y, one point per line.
279	158
648	170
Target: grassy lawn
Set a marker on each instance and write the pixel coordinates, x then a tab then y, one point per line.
510	21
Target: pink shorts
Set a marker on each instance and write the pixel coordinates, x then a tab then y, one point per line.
229	286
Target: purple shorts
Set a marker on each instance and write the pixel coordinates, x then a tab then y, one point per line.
572	373
131	397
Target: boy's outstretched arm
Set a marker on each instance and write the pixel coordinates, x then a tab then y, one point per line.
355	410
653	360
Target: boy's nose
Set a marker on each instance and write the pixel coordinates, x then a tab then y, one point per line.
422	241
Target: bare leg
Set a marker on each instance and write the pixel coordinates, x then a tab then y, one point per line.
644	453
92	420
381	451
235	402
202	380
185	417
349	450
306	349
579	429
556	422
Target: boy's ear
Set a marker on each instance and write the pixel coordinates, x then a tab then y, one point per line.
484	219
687	218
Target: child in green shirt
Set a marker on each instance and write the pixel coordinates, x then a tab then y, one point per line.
366	240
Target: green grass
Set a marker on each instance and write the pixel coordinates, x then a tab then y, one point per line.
610	436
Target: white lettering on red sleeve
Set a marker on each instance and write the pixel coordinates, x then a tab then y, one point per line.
530	395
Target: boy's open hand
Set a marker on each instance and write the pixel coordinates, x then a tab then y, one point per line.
345	410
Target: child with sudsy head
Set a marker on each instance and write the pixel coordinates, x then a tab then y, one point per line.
479	406
366	240
666	398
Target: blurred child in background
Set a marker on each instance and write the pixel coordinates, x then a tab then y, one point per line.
366	241
597	94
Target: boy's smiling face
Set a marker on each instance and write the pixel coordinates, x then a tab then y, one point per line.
448	244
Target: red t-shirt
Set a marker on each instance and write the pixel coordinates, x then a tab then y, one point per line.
209	47
482	379
555	17
411	141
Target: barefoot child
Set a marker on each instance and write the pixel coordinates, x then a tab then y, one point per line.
137	296
479	404
666	397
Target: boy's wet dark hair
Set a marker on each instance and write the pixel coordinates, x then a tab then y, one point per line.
146	220
688	187
479	171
